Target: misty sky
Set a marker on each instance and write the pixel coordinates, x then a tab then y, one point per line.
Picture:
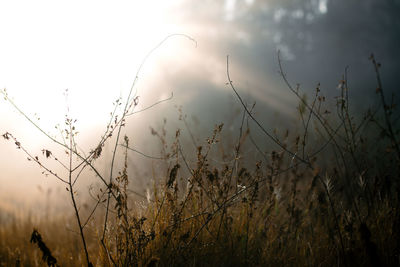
93	49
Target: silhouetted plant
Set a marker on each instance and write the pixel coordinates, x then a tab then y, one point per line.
47	257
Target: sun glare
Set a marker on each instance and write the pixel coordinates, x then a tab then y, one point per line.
91	48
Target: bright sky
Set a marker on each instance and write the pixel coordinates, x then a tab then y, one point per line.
93	48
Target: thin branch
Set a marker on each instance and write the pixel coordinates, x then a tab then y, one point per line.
145	155
385	107
152	105
30	157
274	139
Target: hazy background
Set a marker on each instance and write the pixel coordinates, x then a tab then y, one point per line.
94	48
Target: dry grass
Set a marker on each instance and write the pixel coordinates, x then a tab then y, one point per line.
327	195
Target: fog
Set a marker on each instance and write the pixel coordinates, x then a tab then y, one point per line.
95	49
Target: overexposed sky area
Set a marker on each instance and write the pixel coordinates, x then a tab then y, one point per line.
92	48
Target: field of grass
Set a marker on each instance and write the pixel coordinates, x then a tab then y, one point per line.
326	194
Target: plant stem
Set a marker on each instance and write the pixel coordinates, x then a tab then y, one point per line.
71	191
